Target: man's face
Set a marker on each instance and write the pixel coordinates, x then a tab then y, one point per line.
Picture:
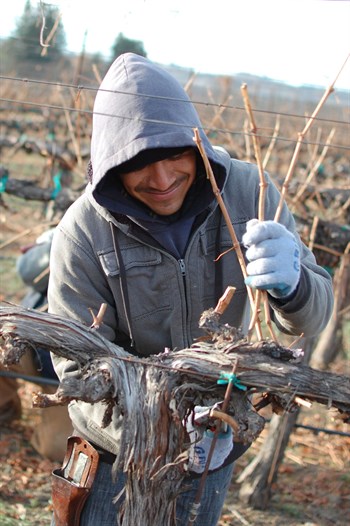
163	185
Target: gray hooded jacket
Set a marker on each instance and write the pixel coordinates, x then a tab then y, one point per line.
105	251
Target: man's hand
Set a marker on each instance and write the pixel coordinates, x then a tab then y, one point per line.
274	258
201	440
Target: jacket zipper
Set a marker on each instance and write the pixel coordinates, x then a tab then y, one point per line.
182	267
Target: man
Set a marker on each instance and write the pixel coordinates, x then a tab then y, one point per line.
144	239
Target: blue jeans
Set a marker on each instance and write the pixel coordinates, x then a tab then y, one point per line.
100	510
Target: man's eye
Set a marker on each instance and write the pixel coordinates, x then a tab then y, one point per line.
179	155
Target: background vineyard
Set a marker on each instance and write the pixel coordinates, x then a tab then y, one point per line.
44	140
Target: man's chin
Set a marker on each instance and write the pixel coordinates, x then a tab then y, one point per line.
165	211
165	208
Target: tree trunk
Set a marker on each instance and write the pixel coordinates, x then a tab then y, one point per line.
257	478
329	342
153	449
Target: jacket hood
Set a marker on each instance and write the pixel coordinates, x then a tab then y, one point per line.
139	106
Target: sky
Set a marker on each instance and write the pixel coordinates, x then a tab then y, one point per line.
295	41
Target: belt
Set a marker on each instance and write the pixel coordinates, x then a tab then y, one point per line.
104	456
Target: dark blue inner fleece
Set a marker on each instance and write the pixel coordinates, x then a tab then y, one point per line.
171	232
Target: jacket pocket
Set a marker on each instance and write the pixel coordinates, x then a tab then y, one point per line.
133	257
148	280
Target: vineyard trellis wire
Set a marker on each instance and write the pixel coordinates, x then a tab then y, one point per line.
212	130
80	87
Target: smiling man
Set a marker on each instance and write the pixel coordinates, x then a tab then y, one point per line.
162	185
145	239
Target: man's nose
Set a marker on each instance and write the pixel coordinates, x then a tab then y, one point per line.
161	177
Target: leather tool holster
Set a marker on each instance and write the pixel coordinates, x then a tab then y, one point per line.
71	484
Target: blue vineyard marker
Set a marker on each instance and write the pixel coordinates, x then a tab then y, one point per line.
57	184
3	182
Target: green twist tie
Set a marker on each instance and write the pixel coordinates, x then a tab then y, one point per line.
57	184
225	378
3	182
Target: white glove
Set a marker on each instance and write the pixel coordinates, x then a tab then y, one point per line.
274	258
201	440
46	237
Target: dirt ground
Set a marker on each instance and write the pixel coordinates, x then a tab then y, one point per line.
312	487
